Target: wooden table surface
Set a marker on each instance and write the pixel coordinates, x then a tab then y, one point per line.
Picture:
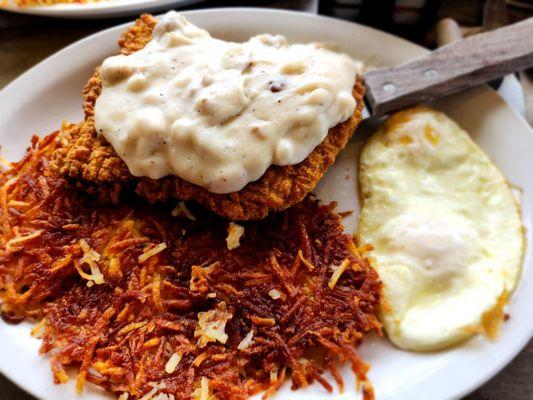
24	41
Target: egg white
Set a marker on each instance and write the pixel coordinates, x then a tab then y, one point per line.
446	229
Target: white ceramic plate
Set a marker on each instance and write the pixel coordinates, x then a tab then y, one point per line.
39	100
99	9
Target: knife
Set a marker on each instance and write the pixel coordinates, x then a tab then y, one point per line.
451	68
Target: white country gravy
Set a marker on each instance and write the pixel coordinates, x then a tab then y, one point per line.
218	113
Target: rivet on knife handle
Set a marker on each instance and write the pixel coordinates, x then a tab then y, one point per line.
456	66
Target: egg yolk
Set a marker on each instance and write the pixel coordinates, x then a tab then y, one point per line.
436	244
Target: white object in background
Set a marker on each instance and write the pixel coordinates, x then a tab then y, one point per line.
512	92
312	6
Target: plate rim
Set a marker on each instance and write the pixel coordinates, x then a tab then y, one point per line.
11	87
103	9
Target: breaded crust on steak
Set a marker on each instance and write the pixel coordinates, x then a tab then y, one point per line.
92	163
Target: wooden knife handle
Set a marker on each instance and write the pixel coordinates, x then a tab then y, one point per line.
456	66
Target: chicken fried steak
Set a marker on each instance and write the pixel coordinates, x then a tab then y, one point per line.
89	161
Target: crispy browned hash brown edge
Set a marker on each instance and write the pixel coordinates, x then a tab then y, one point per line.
149	301
93	165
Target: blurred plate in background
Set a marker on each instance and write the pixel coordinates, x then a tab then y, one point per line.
98	9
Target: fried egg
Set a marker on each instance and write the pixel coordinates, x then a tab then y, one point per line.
446	229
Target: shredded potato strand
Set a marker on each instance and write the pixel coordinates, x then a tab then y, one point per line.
338	271
152	252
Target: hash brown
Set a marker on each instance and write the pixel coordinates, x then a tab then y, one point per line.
139	301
